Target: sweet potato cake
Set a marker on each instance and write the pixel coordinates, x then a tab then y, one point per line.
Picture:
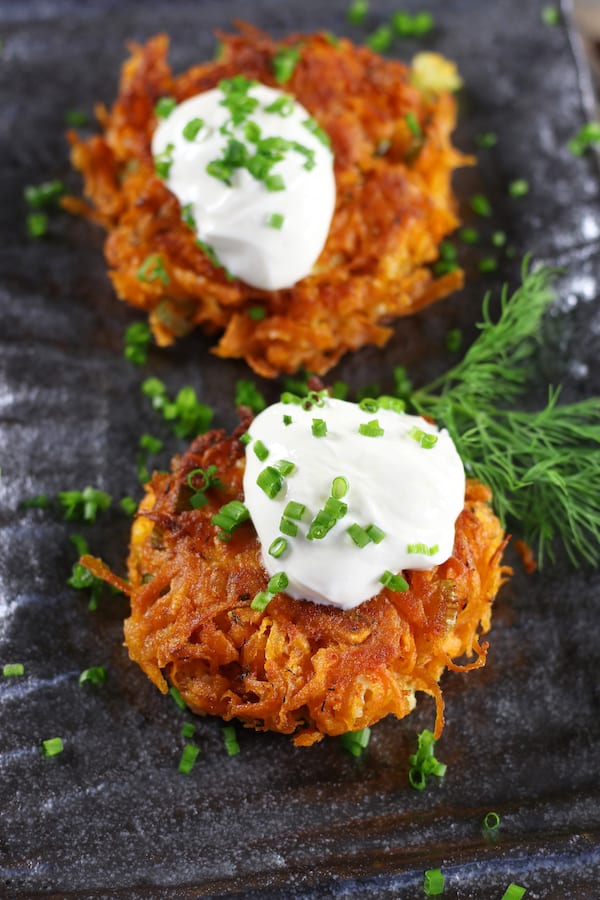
297	667
393	168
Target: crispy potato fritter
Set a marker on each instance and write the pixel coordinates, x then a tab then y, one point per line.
298	667
393	167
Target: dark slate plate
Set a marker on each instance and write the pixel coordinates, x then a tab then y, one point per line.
111	817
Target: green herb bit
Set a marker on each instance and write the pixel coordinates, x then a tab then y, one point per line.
469	235
339	487
587	135
359	535
270	481
335	508
276	220
392	403
454	340
187	217
375	533
37	224
247	394
433	882
187	415
369	404
331	38
393	582
424	438
76	118
257	313
413	125
128	505
84	505
177	698
230	516
550	16
357	12
380	40
294	510
499	238
163	161
284	63
274	183
52	746
245	439
231	742
313	126
443	267
48	193
287	420
277	583
164	107
12	670
288	526
320	526
261	601
422	549
354	742
192	128
487	140
491	822
423	762
41	501
188	730
481	205
319	427
95	675
278	547
283	106
209	480
407	25
513	892
189	755
371	429
138	338
81	578
518	188
260	450
402	383
153	269
340	390
487	265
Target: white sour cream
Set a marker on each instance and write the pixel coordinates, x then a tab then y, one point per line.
412	493
239	221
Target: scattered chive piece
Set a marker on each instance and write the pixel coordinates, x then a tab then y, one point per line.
283	106
375	533
277	583
371	429
260	450
247	394
95	675
393	403
518	188
164	107
487	139
84	505
367	392
276	221
491	821
288	526
128	505
185	412
76	118
37	224
274	183
422	548
284	63
423	762
487	264
453	340
188	730
138	338
39	196
189	755
331	39
357	12
380	40
424	438
413	124
287	420
433	882
10	670
177	698
469	235
278	547
230	516
334	507
393	582
284	467
163	161
320	526
261	601
339	390
52	746
81	578
319	427
153	269
402	383
481	205
41	501
359	535
257	313
339	487
245	439
294	510
354	742
231	743
407	25
499	238
587	135
368	404
550	16
191	129
513	892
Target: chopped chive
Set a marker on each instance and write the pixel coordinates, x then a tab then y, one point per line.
336	508
320	526
276	220
138	338
294	510
375	533
192	128
84	505
284	467
354	742
153	269
278	547
393	582
380	40
11	670
587	135
177	698
433	882
481	205
357	12
37	224
163	161
368	404
189	755
164	107
423	762
257	313
339	390
48	193
274	183
423	549
413	124
402	383
230	516
95	675
284	63
260	450
287	420
371	429
454	340
188	730
41	501
52	746
319	427
313	126
231	742
499	238
393	403
487	139
288	526
491	821
359	535
518	188
513	892
288	397
424	438
487	264
76	118
469	235
244	439
261	601
128	505
277	583
339	487
283	106
550	16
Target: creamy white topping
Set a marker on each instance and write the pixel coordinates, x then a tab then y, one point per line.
411	491
268	238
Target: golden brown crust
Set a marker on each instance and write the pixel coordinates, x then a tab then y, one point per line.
297	668
392	211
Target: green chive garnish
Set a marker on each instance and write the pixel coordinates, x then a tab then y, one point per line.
335	508
424	438
257	313
357	12
375	533
453	340
276	220
287	420
191	129
487	264
393	582
37	224
48	193
260	450
287	526
551	16
188	730
433	882
261	601
413	124
518	188
153	269
138	338
319	427
11	670
423	762
487	139
481	205
354	742
513	892
177	698
188	758
491	821
339	487
294	510
277	583
423	549
587	135
393	403
52	746
164	107
468	235
359	535
95	675
380	40
231	743
284	63
283	106
278	547
371	429
274	183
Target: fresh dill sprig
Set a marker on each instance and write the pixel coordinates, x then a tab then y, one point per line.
543	466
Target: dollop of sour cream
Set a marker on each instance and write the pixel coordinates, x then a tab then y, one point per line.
403	475
265	218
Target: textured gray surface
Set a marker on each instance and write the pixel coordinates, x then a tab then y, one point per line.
111	817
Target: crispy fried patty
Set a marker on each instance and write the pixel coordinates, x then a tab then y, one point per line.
393	167
298	667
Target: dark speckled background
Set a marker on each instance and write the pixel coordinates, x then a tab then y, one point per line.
111	817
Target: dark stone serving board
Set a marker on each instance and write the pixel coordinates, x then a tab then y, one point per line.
111	817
